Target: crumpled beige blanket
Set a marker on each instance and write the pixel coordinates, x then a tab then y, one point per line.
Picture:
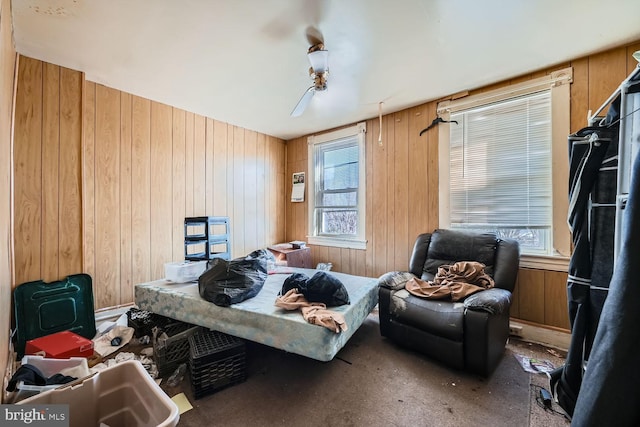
313	312
455	281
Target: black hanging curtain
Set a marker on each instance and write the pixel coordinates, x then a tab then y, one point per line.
592	158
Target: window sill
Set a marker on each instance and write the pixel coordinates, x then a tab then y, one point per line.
337	242
552	263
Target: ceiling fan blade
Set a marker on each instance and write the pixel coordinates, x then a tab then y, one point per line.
304	101
314	36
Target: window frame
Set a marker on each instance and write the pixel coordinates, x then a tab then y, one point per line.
358	241
559	84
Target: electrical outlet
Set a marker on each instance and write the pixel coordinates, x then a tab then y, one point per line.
515	330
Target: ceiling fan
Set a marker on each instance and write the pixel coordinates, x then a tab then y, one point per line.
319	71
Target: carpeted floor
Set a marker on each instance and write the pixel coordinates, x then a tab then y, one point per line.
541	416
371	382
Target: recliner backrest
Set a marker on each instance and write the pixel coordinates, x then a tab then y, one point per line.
442	247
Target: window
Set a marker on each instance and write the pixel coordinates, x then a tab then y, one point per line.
337	185
500	174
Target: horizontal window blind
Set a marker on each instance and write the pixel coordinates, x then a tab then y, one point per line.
500	164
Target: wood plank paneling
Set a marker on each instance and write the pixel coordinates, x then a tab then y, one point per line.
28	172
161	188
390	204
107	196
431	220
126	266
401	190
418	182
189	162
515	300
88	178
531	295
579	94
378	180
210	161
199	165
250	211
277	169
50	168
606	71
632	63
261	196
140	190
555	299
238	203
70	176
178	184
220	168
369	254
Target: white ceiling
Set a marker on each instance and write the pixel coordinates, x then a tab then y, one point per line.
244	61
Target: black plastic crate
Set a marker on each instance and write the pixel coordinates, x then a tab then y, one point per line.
216	361
143	321
173	350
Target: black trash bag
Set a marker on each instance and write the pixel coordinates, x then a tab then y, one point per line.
230	282
322	287
295	281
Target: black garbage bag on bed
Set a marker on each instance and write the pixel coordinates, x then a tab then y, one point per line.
230	282
322	287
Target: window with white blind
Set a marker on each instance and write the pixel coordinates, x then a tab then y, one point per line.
500	170
336	193
500	164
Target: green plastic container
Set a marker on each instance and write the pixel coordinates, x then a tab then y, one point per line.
46	308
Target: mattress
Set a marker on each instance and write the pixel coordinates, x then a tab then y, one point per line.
258	319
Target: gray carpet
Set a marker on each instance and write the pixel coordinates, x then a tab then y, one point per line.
371	382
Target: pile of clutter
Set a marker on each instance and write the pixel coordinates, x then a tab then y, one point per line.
112	336
65	357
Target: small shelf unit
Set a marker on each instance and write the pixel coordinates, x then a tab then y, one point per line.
207	237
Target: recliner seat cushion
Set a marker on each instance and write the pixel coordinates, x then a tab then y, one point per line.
450	246
440	318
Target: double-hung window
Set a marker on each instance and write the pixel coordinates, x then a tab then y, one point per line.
337	188
506	164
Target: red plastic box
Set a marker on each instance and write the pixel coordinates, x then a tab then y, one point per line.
60	345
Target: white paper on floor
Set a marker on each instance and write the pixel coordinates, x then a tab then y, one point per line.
534	365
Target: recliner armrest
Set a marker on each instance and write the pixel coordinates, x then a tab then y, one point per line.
507	263
395	280
493	301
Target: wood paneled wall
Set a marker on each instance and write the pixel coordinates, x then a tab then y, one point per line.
115	176
402	187
7	71
47	188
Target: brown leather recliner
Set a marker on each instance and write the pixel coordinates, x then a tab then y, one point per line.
470	334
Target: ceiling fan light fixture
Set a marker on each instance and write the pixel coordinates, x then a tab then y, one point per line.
319	60
319	71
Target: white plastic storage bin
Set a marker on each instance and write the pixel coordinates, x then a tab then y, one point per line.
185	271
50	367
121	395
